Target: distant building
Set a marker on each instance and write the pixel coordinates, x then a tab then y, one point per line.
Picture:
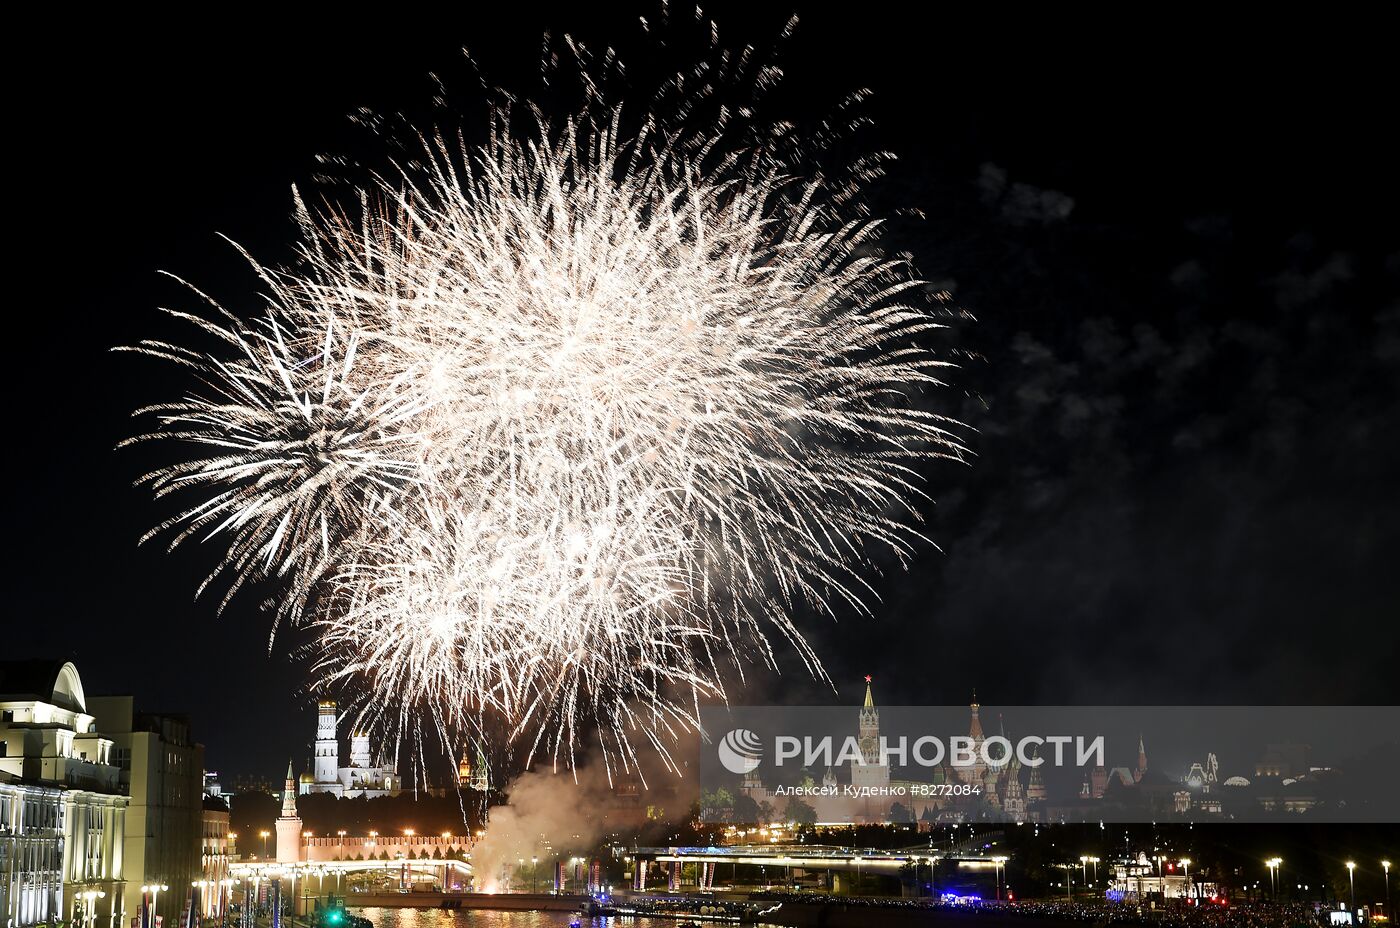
476	777
1140	879
162	770
253	783
1284	761
62	812
365	776
297	846
215	855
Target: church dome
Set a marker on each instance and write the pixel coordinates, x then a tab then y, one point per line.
307	778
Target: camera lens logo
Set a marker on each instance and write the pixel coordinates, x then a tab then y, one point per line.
740	751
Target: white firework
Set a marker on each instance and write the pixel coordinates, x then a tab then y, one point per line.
567	425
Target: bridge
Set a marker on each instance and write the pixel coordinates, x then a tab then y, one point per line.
325	866
975	850
978	852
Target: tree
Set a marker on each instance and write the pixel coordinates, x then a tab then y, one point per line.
800	811
745	809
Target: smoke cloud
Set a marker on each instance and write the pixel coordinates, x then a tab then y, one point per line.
547	815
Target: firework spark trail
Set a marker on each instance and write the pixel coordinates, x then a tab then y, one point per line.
563	426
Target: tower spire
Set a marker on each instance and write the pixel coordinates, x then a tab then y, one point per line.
869	698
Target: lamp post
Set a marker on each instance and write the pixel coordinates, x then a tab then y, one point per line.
263	834
1389	916
999	862
155	890
1273	864
1351	877
1084	867
90	905
1186	865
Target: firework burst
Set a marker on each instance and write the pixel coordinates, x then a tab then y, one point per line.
563	426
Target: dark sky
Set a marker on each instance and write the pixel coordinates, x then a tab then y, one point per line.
1178	239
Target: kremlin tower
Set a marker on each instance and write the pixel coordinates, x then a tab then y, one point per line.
873	771
975	772
289	823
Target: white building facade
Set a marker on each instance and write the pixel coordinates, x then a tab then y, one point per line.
62	808
364	777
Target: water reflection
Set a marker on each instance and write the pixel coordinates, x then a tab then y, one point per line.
437	918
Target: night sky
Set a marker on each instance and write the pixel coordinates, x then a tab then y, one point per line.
1178	240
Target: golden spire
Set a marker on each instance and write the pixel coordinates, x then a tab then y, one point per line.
869	699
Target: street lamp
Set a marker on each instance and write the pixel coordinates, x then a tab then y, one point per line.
999	862
1273	864
1351	877
155	890
1389	916
1186	864
89	904
293	920
263	834
1084	867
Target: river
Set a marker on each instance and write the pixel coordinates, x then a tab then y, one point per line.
484	918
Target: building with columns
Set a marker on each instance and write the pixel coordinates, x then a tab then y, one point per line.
63	809
31	853
215	855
